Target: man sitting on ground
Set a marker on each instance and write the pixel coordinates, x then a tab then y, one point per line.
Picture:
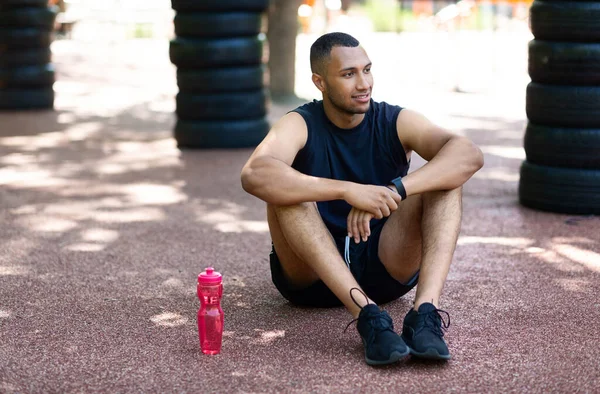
336	171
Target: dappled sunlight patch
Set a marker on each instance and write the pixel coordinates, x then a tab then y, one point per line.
503	241
4	314
24	210
267	337
49	224
99	235
587	258
498	174
243	226
508	152
110	168
218	217
139	156
86	247
153	194
577	240
225	217
169	319
35	142
31	177
551	257
66	118
131	215
83	131
14	270
106	210
576	285
18	159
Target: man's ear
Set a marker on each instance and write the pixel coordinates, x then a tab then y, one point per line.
319	82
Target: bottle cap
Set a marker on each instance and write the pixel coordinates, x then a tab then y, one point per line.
210	277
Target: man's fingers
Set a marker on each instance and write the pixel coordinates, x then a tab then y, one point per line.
365	218
386	211
350	223
356	227
396	197
353	224
377	213
392	204
361	225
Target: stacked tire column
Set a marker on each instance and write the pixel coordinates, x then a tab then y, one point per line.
26	74
218	50
562	139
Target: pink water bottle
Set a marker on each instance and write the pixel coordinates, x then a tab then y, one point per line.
210	314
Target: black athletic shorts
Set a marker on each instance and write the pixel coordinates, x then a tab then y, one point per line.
369	271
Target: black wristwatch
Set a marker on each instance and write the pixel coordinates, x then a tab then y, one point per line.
400	187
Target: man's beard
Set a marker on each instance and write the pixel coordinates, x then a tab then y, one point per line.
345	108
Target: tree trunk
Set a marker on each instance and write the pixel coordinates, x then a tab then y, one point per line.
281	34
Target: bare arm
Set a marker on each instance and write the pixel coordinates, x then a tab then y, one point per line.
269	176
452	159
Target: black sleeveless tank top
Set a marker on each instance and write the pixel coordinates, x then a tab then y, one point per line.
370	153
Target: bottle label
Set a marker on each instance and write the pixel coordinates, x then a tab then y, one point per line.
211	299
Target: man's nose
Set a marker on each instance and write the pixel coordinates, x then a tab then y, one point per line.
362	83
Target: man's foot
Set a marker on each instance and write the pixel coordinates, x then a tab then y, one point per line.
382	344
422	332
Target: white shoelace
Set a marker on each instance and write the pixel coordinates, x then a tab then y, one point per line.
347	251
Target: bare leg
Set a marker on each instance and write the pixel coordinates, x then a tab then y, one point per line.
307	252
422	234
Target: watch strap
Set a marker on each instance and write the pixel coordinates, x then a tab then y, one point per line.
400	187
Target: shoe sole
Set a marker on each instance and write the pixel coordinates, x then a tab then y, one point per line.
430	354
394	357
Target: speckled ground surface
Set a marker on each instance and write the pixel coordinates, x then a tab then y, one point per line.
105	226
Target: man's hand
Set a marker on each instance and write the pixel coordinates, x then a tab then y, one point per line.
379	201
359	225
368	202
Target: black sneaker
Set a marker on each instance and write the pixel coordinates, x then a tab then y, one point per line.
382	344
422	332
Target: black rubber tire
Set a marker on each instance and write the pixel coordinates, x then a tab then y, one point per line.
220	134
562	147
221	79
16	99
27	77
231	24
23	38
27	57
194	53
220	5
561	190
42	18
565	21
222	106
563	63
567	106
9	4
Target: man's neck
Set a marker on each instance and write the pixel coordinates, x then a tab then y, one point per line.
341	119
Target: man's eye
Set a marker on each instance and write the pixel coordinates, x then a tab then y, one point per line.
368	70
349	74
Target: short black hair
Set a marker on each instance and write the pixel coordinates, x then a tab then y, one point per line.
321	48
